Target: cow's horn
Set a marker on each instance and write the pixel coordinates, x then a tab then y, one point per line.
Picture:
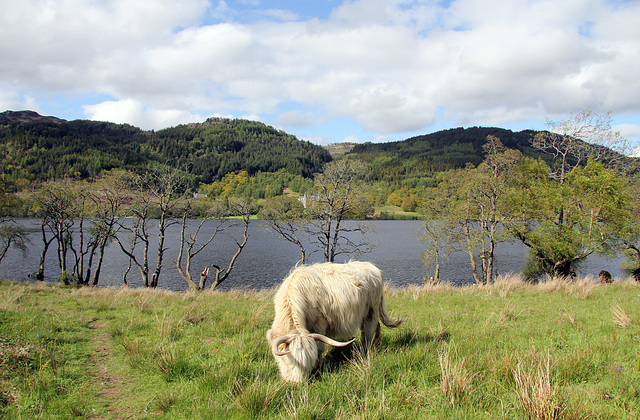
285	339
329	341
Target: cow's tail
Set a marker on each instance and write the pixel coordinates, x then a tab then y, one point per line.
386	319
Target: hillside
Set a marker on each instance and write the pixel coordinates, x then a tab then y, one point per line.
426	155
219	146
34	148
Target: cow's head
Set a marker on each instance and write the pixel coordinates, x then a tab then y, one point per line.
297	354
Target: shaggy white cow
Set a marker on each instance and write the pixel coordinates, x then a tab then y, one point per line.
323	303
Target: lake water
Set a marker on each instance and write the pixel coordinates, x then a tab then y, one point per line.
266	260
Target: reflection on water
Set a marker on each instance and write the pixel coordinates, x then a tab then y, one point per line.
266	260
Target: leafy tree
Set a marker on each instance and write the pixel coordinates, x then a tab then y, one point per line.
563	235
595	210
439	244
582	136
472	202
394	200
12	235
631	235
409	203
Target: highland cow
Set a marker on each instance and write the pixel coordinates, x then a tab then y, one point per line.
325	304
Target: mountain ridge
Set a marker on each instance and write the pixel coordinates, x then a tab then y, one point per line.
26	116
37	147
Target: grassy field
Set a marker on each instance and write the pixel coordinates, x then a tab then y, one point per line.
510	350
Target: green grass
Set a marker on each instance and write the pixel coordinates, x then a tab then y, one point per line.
395	212
510	350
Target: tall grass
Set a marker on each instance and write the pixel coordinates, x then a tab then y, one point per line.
536	389
553	350
455	379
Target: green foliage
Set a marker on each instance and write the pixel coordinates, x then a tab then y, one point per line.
219	146
472	203
416	161
564	223
82	149
260	185
47	150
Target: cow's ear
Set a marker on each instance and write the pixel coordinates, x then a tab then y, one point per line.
270	335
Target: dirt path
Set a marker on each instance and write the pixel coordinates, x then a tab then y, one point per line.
111	386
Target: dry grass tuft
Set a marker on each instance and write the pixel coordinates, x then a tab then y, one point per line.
165	326
536	390
582	287
418	291
553	284
504	284
360	361
455	379
620	317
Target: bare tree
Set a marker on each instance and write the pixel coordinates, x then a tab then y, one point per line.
56	206
585	134
158	193
241	209
339	197
79	245
285	217
11	234
108	194
330	219
138	232
189	246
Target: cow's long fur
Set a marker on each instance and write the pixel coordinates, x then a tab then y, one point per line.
332	301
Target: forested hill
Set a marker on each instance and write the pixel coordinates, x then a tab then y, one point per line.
423	156
220	146
33	147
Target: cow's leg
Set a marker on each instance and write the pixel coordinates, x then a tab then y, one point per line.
370	329
320	351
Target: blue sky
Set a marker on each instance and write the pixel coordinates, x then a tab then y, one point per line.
326	70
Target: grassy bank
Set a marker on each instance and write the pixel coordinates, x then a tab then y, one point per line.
511	350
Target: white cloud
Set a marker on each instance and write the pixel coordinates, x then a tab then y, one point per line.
134	112
389	65
10	100
628	130
297	119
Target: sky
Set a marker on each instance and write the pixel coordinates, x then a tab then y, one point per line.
326	71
